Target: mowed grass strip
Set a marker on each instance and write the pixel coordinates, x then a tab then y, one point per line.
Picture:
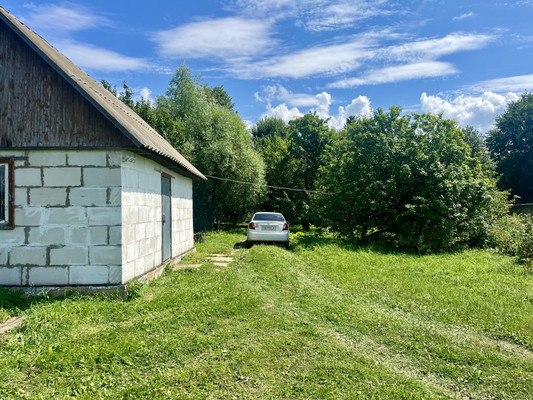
325	319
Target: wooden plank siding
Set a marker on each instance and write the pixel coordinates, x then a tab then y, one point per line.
40	109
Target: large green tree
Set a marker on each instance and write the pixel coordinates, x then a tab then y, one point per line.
270	140
308	138
219	146
511	146
411	180
292	154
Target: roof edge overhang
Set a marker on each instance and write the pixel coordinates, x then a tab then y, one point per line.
5	17
148	154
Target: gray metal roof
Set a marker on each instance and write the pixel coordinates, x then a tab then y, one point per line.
144	137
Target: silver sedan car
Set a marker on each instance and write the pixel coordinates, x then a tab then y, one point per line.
268	227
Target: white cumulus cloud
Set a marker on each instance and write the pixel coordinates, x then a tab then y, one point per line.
280	93
359	107
282	112
322	102
145	94
478	111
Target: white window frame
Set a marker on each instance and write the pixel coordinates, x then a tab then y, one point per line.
7	220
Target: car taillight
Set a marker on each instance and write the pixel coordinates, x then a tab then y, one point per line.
285	226
251	226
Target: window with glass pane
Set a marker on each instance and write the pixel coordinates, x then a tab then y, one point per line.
4	193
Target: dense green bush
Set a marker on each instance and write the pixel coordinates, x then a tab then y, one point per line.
506	234
513	234
410	180
525	249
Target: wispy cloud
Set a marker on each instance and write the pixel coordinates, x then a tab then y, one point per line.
59	22
222	38
96	58
65	17
518	83
465	15
331	15
331	60
314	15
429	69
437	47
409	60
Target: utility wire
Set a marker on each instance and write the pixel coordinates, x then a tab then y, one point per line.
300	190
268	186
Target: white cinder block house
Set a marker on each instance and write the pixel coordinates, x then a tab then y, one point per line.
89	193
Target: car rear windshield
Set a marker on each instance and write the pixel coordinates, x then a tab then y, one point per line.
269	217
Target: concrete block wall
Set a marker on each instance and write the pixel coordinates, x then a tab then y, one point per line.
182	222
67	219
142	215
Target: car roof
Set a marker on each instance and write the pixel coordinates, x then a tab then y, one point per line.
267	212
261	215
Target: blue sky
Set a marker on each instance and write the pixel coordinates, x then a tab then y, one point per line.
467	59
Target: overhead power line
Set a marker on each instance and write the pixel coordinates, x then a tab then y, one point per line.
267	186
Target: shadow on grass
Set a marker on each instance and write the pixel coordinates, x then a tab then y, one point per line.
14	301
318	237
243	244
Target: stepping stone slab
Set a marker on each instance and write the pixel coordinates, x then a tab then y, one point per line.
220	259
183	266
10	324
220	264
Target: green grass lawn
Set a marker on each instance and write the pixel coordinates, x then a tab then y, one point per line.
324	319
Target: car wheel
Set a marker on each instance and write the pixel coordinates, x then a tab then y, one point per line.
249	244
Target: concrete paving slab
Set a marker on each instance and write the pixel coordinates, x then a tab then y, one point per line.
183	266
11	323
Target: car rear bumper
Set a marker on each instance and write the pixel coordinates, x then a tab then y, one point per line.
268	237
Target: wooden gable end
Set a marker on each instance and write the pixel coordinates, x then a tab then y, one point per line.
40	109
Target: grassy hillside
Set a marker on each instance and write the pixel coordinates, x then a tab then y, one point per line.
324	319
